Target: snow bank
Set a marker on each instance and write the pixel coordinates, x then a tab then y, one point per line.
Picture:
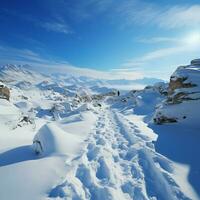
84	107
9	114
143	102
51	139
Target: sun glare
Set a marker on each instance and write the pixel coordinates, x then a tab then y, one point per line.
193	39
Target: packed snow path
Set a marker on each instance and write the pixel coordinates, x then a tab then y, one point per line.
118	162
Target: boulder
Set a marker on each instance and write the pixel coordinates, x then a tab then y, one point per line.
4	92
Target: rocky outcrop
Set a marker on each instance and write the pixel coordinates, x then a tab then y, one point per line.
183	93
195	62
4	92
178	82
25	120
184	83
161	119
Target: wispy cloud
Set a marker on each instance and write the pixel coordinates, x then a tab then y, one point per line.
168	17
126	12
135	12
180	16
159	54
56	24
56	27
162	62
154	40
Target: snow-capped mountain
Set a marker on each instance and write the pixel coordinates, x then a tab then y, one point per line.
23	76
17	73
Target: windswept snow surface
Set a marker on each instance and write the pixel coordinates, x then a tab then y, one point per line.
53	145
115	159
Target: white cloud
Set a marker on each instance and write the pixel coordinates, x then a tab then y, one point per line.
157	54
154	55
10	55
162	62
180	46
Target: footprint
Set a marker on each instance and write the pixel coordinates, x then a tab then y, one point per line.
83	174
93	191
128	188
134	192
100	141
93	152
114	146
57	191
135	172
130	154
116	158
103	171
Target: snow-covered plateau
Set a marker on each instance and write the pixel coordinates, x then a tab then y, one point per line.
78	138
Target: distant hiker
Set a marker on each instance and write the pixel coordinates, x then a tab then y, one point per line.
118	93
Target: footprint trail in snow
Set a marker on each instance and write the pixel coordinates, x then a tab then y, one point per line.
118	162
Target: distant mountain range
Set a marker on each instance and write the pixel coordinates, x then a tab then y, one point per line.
18	73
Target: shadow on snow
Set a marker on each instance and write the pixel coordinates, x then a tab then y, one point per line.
16	155
180	144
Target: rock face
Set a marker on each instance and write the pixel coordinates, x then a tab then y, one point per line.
183	96
4	92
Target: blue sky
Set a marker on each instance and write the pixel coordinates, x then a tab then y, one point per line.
101	38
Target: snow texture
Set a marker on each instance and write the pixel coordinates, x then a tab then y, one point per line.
64	137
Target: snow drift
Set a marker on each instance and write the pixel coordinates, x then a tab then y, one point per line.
51	139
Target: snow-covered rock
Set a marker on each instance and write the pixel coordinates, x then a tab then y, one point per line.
147	100
195	62
144	101
4	92
55	87
84	107
183	99
59	110
51	139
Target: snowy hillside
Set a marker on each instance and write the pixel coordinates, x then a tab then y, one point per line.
17	73
65	137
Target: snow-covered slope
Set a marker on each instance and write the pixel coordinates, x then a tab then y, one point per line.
64	137
18	73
